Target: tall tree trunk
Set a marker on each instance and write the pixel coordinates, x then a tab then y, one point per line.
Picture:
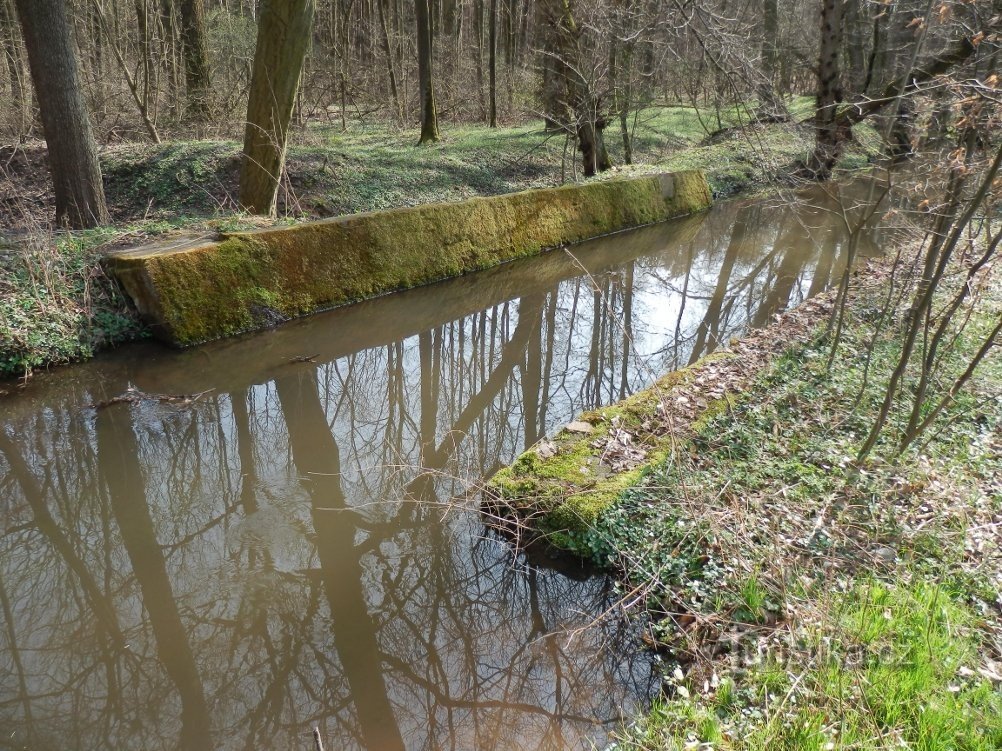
429	115
284	32
76	172
478	54
855	47
621	77
169	47
829	134
146	50
388	51
492	65
196	59
770	104
580	105
834	128
15	65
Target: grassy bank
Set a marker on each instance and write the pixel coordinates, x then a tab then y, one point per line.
797	598
56	303
57	307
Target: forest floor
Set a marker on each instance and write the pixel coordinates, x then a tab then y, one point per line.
57	306
798	598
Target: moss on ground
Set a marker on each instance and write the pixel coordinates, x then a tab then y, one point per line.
566	484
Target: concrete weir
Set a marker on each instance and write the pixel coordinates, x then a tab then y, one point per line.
197	291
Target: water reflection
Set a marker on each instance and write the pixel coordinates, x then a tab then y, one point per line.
287	552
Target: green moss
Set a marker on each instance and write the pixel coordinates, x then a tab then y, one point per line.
567	492
212	290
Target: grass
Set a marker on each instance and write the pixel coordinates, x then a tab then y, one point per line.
374	165
894	666
802	601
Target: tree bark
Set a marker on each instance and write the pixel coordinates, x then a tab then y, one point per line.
76	172
15	64
196	59
770	105
429	115
855	47
284	32
551	88
580	106
388	51
492	65
169	50
833	133
829	136
478	54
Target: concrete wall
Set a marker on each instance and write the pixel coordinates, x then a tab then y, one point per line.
197	291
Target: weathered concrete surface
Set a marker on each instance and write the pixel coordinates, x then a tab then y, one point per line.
200	290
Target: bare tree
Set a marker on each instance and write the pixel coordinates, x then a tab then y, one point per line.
426	75
196	59
76	172
284	32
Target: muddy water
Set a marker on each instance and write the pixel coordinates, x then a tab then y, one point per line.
292	549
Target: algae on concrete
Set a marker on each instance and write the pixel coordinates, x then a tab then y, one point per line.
566	483
249	280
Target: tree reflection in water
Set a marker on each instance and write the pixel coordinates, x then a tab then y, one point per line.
293	550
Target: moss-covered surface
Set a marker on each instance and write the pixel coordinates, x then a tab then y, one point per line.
566	483
251	279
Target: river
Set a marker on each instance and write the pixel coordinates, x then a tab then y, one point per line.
296	546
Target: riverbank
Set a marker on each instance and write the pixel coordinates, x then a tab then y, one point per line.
798	599
56	304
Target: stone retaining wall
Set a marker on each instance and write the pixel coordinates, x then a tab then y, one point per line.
198	291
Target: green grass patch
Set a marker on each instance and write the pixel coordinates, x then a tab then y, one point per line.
56	305
891	666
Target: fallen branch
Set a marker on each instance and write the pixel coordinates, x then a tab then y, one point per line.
133	395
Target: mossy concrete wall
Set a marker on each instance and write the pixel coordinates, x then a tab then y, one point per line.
565	483
199	291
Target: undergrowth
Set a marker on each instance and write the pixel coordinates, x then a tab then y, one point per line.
57	305
804	601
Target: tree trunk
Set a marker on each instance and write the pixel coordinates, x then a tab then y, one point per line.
621	77
838	125
770	104
591	142
284	32
169	50
492	65
579	103
146	50
478	54
388	51
196	59
15	65
829	135
855	46
429	116
76	173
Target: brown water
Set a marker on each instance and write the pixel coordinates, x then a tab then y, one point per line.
294	548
